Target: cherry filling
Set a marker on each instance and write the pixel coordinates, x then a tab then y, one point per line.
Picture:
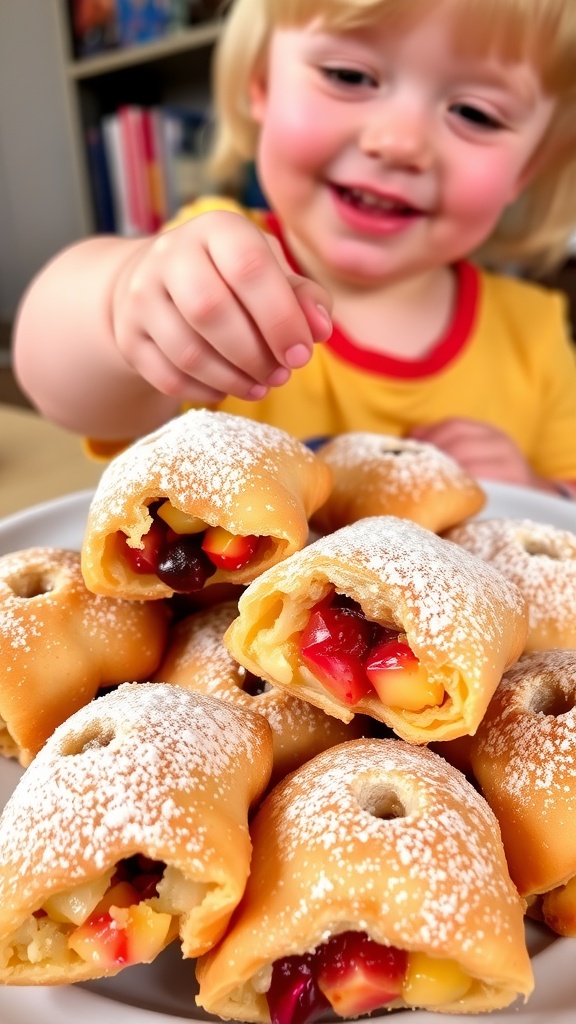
350	973
354	658
185	552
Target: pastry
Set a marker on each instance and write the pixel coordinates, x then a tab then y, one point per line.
385	618
524	758
208	498
129	829
378	474
197	659
59	644
378	880
541	561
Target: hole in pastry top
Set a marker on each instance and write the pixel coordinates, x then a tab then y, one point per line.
251	684
93	738
32	583
550	699
540	548
381	801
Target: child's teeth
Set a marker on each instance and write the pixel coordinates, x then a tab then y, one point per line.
369	199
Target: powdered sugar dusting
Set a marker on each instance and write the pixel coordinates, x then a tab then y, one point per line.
406	465
396	830
197	659
539	744
119	769
540	559
45	607
220	456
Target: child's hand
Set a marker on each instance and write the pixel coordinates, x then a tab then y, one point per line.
482	450
211	308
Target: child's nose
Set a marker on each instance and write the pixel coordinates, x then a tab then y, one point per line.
400	135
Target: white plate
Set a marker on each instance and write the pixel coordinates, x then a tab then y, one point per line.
163	992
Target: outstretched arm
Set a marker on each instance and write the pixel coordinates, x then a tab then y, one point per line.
114	334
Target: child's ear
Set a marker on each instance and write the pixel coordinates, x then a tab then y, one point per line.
257	95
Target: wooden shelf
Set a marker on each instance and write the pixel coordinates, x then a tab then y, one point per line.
115	60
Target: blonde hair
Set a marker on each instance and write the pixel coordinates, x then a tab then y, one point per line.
536	228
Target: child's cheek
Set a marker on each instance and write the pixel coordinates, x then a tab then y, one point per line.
480	196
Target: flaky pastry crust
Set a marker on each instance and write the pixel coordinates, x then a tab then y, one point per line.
229	471
378	474
462	619
524	758
381	837
197	659
59	644
149	769
541	560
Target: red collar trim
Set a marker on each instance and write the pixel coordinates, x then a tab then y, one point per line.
444	351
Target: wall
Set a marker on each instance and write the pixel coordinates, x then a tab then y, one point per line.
40	200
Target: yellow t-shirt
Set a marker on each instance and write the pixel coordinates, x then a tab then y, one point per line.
505	360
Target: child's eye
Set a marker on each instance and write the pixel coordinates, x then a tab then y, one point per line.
348	76
475	116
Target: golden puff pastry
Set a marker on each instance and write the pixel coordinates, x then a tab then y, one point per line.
208	498
375	850
541	560
385	618
129	829
197	659
59	644
378	474
524	758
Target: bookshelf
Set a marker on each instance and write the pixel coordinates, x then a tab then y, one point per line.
174	69
47	100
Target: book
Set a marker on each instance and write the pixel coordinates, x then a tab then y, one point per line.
94	26
155	165
133	150
141	21
124	225
98	168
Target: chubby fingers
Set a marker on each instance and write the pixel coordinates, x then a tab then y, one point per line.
214	309
257	311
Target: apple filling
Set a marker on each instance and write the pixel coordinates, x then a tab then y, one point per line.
183	551
354	658
352	975
126	916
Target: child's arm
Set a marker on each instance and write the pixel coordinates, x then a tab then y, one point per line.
488	454
114	334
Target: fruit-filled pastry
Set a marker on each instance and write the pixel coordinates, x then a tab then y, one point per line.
60	644
378	881
524	759
378	474
385	618
541	560
128	830
208	498
197	659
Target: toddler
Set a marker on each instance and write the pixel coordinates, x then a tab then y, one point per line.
402	145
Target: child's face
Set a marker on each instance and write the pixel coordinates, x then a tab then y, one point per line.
385	155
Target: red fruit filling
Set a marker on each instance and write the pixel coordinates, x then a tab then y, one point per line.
342	647
186	561
350	973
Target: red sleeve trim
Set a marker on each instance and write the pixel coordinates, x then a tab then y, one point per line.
443	352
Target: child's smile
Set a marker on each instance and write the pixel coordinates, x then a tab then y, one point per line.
386	154
371	212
